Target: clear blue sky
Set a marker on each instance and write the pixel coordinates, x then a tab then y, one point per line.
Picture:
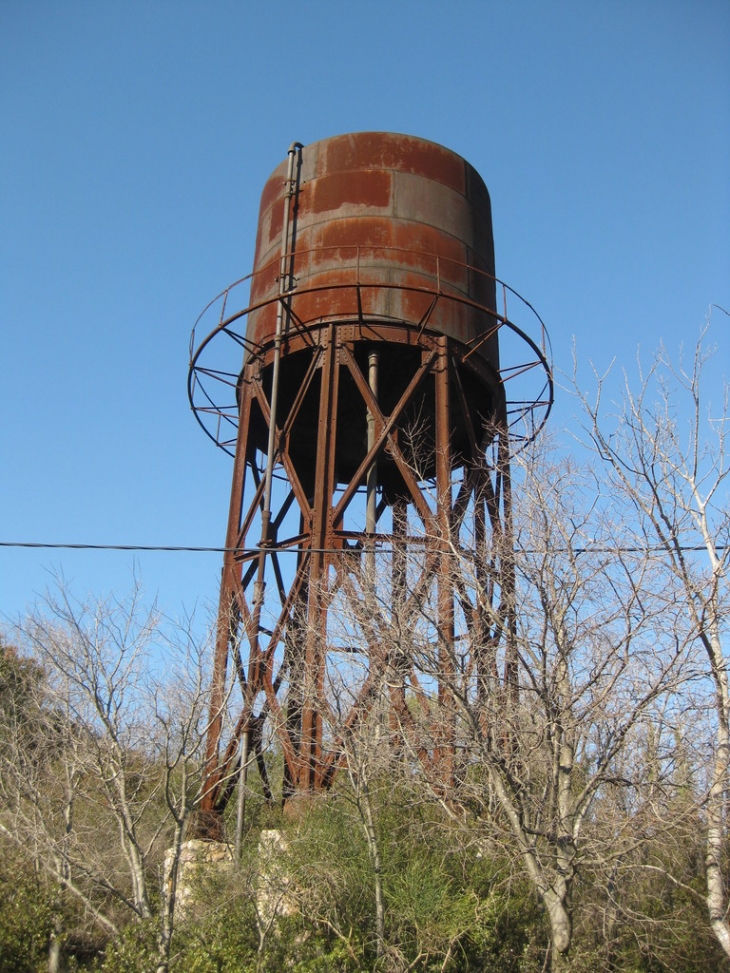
137	137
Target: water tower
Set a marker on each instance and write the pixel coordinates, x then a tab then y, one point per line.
370	385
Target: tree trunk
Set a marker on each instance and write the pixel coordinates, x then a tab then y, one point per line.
717	904
561	926
374	853
54	947
54	955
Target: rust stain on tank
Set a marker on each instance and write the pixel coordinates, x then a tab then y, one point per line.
350	232
370	189
402	153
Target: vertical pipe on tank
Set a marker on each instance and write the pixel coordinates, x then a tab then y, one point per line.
283	288
445	577
372	474
260	584
241	802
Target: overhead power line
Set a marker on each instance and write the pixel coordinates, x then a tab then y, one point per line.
295	549
118	547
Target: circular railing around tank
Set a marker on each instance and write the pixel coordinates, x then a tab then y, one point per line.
525	364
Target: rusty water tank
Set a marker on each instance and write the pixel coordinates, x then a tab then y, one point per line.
376	207
389	239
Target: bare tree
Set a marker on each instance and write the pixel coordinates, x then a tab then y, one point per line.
99	783
516	715
666	450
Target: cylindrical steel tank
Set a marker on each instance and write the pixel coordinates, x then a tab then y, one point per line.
379	208
389	240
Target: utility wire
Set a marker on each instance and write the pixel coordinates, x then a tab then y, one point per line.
117	547
720	548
